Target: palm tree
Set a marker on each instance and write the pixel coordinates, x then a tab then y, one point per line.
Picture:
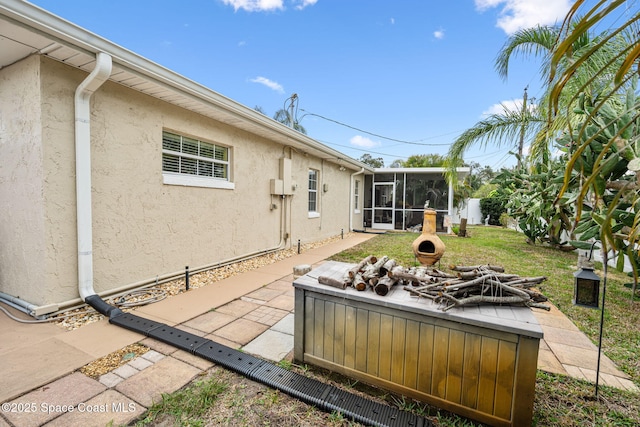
506	128
284	117
424	161
581	108
512	127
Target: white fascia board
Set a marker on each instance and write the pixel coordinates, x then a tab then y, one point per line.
461	170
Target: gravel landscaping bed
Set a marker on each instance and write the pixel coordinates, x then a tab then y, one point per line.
74	319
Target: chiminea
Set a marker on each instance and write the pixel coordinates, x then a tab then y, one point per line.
428	247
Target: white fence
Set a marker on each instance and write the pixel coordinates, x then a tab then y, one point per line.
470	210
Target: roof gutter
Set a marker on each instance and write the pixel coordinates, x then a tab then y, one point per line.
96	78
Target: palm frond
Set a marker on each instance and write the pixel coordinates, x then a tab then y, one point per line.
538	42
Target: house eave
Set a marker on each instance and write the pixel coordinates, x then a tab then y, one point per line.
462	171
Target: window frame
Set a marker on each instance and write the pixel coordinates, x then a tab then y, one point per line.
313	213
195	179
356	196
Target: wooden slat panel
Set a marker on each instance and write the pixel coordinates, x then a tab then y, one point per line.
471	369
350	334
298	326
318	333
454	371
340	321
373	343
525	388
411	354
386	335
309	325
362	323
398	350
504	379
440	357
329	328
425	357
488	370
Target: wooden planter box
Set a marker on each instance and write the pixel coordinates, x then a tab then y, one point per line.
479	361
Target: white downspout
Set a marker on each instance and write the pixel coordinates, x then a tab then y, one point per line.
98	76
351	207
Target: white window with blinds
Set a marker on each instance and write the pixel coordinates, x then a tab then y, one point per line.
313	194
192	162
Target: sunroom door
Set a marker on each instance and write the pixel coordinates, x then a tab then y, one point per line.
383	200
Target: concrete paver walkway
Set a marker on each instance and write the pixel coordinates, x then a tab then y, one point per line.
40	385
567	351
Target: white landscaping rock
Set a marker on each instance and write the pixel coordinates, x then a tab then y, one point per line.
301	270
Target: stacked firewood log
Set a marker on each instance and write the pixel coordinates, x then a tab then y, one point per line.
480	284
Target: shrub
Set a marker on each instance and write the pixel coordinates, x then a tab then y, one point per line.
494	207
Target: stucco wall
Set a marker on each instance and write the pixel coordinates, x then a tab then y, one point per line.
22	223
333	204
143	228
58	120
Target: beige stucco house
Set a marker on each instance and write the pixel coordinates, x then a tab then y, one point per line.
117	171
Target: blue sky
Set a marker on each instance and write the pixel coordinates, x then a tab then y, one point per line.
377	71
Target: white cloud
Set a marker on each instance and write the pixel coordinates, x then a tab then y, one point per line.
255	5
439	34
361	141
511	105
519	14
266	5
268	83
393	21
304	3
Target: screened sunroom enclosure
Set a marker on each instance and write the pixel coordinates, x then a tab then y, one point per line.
395	198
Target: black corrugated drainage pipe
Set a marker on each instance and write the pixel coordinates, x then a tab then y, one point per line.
313	392
368	231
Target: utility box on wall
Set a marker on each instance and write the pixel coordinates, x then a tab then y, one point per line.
277	188
285	176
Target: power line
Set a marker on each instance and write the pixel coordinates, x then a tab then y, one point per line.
363	150
373	134
501	161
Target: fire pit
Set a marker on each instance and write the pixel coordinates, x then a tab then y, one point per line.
428	247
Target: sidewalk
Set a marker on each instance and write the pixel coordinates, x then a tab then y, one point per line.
253	311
